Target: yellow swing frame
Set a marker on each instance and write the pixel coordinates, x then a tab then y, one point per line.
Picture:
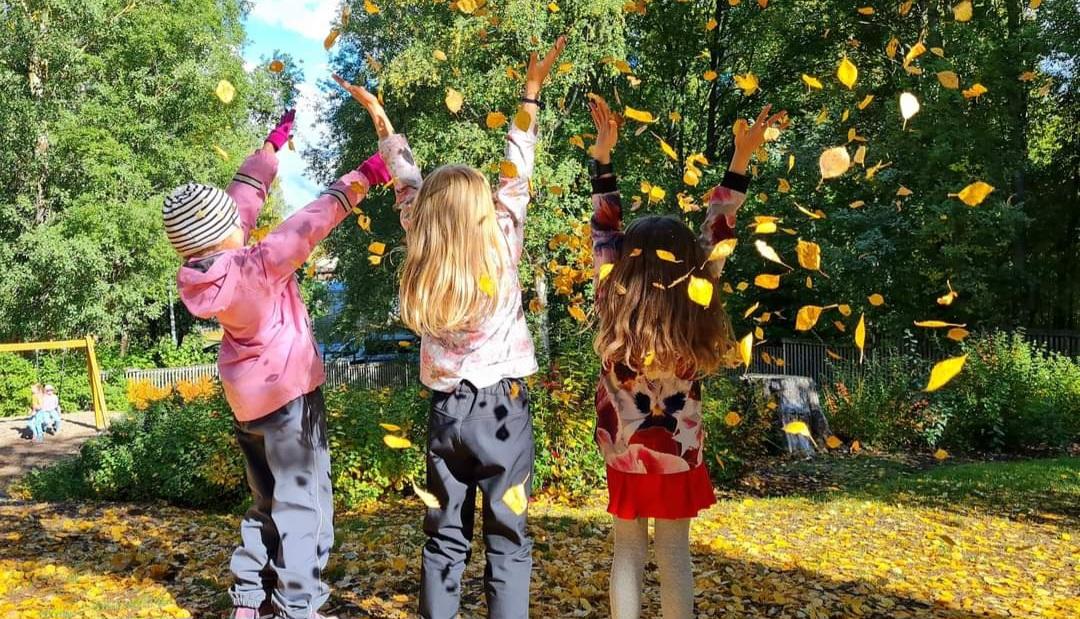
97	392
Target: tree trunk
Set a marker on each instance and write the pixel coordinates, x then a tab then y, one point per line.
36	75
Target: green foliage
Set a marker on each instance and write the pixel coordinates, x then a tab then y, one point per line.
16	376
1012	396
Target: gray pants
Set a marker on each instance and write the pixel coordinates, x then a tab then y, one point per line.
477	438
287	534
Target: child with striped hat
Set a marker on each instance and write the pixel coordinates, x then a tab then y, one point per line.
270	368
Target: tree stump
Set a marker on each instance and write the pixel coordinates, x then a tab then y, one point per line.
797	399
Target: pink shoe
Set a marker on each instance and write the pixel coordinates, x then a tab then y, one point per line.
241	612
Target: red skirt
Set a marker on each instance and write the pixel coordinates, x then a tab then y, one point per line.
649	495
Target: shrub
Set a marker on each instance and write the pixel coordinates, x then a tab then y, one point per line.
16	376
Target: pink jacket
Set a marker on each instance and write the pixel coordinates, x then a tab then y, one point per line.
268	355
501	346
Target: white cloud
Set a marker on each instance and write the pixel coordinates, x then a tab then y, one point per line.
308	18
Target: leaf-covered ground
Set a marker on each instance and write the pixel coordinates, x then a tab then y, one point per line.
848	538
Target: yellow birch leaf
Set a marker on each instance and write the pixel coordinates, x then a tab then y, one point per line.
439	55
577	313
809	282
768	252
748	83
856	447
977	90
944	371
668	150
377	248
746	349
397	442
565	68
905	8
809	255
811	81
974	194
876	299
742	286
650	357
507	169
935	324
903	192
841	327
860	335
807	317
1034	4
732	419
515	497
891	47
495	120
834	162
639	115
916	50
426	497
605	270
962	11
860	155
753	308
844	309
833	442
941	455
948	79
847	73
577	140
221	153
790	162
667	256
330	39
523	119
867	100
909	106
723	249
276	66
554	8
389	427
711	25
865	10
797	427
957	334
857	204
768	281
225	91
709	75
454	100
783	186
487	285
370	7
374	260
700	291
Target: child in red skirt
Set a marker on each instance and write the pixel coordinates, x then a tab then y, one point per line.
655	344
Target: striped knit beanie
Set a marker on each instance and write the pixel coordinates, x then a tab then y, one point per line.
198	217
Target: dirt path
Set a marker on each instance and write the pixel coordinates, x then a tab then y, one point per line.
19	455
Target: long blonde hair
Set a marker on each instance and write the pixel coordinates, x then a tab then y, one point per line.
640	324
452	244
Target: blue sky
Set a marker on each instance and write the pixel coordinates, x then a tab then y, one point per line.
298	28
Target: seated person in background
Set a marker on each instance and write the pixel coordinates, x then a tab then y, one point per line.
50	408
35	424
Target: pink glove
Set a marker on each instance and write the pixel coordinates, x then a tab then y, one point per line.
374	170
280	135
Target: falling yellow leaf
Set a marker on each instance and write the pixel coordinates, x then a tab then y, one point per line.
374	260
221	153
330	39
723	249
809	255
507	169
944	371
700	291
891	47
768	253
949	79
905	8
746	349
941	455
667	256
767	281
867	100
225	91
639	115
711	25
811	81
916	50
1034	4
709	75
856	447
957	334
860	155
577	313
876	299
605	270
732	419
668	150
903	192
783	186
977	90
495	120
857	204
962	11
834	162
847	73
389	427
377	248
798	428
865	10
428	499
370	7
454	100
935	324
974	194
396	442
276	66
650	357
833	442
565	68
515	497
554	8
860	336
748	83
807	317
950	296
909	106
439	55
487	285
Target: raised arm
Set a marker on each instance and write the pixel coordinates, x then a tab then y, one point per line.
606	223
251	184
394	149
726	198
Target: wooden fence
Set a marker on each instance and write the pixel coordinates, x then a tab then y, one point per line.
365	375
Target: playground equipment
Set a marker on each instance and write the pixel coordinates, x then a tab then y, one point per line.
97	392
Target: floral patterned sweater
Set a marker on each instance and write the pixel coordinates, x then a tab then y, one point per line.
651	422
501	346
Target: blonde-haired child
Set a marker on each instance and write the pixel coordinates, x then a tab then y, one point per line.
655	345
270	368
460	292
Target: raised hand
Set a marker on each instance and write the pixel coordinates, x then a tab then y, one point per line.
749	138
539	69
607	129
281	133
371	104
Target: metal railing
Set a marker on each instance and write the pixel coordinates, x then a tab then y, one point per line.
375	375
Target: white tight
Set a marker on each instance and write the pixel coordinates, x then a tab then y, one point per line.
672	557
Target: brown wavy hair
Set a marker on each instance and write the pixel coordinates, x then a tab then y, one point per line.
638	318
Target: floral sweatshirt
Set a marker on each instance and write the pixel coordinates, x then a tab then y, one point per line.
268	356
501	346
651	422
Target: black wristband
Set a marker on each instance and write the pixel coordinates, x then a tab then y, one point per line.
599	169
605	184
736	181
537	102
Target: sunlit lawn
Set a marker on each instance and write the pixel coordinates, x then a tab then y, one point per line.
862	537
